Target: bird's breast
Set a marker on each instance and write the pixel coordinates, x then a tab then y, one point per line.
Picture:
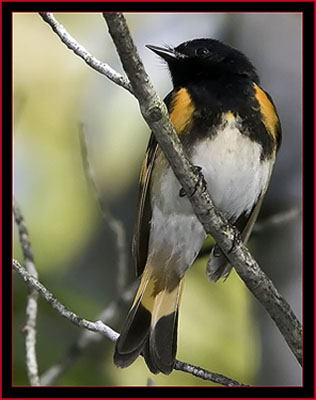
232	166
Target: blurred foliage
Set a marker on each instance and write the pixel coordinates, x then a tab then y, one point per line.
54	91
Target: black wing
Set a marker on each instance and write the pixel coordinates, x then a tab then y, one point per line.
144	211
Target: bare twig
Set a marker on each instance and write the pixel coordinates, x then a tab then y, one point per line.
33	283
106	331
276	219
119	231
80	51
150	382
114	224
206	375
31	308
87	338
155	113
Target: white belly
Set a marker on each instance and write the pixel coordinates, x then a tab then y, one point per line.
235	178
233	171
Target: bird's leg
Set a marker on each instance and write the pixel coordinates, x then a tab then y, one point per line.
201	182
236	239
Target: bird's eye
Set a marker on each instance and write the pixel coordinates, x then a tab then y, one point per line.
202	51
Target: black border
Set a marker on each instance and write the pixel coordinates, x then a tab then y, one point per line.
307	391
155	6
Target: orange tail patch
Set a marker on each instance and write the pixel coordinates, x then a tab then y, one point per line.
151	325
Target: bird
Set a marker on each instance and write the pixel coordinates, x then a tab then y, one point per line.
231	131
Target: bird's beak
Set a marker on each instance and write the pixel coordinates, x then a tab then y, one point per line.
168	54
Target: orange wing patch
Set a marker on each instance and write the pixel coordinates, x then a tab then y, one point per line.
269	115
182	110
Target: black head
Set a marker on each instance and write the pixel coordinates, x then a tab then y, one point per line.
204	58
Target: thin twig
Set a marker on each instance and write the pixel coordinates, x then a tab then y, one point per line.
206	375
97	326
277	219
121	251
106	331
155	114
150	382
31	307
80	51
87	338
114	224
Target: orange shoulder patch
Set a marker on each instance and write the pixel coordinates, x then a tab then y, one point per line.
268	112
182	109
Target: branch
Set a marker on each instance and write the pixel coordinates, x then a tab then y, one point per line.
155	114
150	382
206	375
31	308
114	224
108	332
33	283
86	338
80	51
277	219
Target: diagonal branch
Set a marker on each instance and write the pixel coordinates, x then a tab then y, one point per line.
31	308
105	330
86	338
206	375
114	224
33	283
155	113
80	51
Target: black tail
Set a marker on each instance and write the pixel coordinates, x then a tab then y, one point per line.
150	328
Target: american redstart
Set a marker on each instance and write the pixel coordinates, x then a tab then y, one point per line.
231	131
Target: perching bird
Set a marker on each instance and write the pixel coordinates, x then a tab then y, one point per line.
230	129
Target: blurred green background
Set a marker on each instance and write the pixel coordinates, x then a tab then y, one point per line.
221	328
